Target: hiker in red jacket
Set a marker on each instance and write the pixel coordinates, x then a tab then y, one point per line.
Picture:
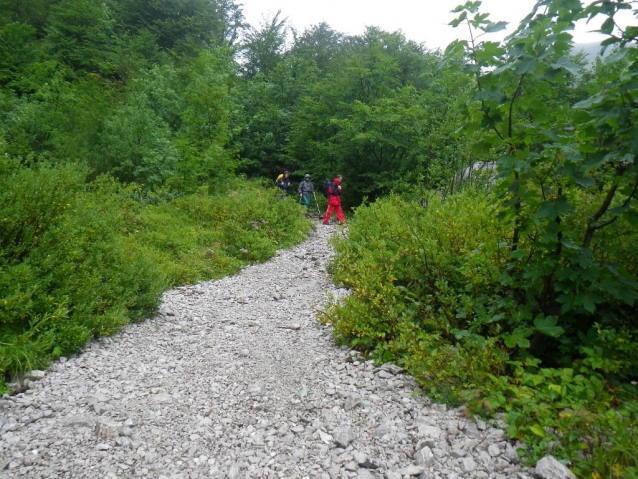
334	201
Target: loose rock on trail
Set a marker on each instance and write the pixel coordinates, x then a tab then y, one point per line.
236	378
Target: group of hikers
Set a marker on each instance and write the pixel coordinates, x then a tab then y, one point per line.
306	191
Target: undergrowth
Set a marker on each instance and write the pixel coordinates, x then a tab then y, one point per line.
432	291
81	260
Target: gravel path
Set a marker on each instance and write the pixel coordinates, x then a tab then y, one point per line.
236	378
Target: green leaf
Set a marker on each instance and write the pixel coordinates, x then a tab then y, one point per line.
518	338
553	209
608	26
494	27
593	100
609	41
538	430
489	95
619	54
547	325
632	218
566	63
589	304
526	65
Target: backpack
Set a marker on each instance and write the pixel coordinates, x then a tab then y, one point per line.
329	188
279	178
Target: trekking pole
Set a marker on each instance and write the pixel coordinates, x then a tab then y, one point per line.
316	203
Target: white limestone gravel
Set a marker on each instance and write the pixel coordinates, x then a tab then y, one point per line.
236	378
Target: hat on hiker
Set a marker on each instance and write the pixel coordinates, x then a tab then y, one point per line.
306	175
286	172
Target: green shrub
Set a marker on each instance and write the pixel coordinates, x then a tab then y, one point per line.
407	262
79	261
432	289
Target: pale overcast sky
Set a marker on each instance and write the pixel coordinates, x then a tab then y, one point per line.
420	20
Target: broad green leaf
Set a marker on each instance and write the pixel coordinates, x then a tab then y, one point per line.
593	100
567	64
494	27
553	209
588	304
556	388
538	430
550	134
526	65
619	54
632	218
503	68
489	95
609	41
608	26
547	325
518	338
619	210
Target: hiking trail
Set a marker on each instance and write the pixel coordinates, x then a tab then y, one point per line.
236	378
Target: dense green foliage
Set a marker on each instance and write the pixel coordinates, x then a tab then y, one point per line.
427	283
126	125
521	297
376	108
118	170
82	260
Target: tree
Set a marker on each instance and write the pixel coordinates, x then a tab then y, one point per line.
319	43
80	34
189	24
204	135
30	12
568	169
375	115
17	51
264	46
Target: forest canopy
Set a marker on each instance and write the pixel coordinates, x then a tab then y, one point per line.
181	93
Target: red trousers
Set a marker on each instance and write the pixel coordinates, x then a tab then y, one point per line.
337	209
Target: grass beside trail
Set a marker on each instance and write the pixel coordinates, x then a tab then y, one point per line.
79	261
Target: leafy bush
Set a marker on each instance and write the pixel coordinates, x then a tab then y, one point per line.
430	290
407	262
79	261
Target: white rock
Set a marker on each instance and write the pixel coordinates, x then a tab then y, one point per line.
549	468
233	472
325	437
163	398
425	457
107	429
364	474
411	470
429	431
493	450
35	375
468	465
344	435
